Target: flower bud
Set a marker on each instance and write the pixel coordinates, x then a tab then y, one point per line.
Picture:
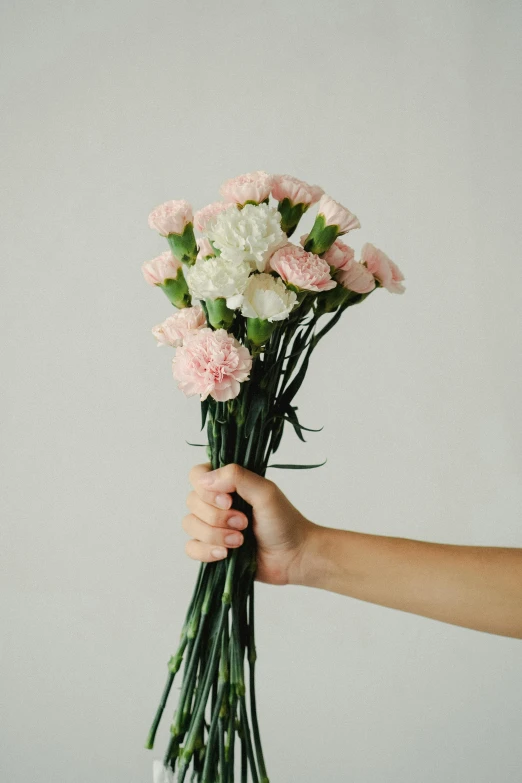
184	245
259	330
384	270
177	291
332	220
219	315
295	197
205	249
160	268
174	220
291	214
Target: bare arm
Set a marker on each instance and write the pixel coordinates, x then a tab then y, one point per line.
472	586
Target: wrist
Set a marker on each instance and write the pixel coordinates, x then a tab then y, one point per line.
312	564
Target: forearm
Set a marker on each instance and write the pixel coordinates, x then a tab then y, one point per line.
472	586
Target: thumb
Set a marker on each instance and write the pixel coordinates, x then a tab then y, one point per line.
234	478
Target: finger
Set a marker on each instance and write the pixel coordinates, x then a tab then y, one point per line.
217	536
219	499
215	516
234	478
199	470
205	553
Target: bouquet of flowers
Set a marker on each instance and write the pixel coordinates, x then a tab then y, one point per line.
251	309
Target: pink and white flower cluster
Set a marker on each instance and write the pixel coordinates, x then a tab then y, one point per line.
245	260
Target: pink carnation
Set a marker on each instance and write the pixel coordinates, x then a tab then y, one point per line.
355	277
205	249
174	330
339	255
202	216
301	269
297	191
383	268
337	215
171	217
255	186
211	363
164	267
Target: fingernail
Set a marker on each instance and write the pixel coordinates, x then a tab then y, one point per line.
223	501
233	538
207	479
237	522
219	552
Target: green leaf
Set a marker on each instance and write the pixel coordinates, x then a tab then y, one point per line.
331	323
279	435
306	429
291	416
297	352
255	408
290	392
204	411
298	467
203	445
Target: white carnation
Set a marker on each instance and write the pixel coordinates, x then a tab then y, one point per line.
248	234
268	298
216	277
160	773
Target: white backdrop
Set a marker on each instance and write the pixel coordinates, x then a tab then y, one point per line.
407	112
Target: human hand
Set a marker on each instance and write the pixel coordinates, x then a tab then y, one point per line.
281	531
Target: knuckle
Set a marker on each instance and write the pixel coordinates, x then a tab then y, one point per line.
217	518
234	472
197	471
214	538
185	522
270	488
191	497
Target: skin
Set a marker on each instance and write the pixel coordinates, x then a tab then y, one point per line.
474	587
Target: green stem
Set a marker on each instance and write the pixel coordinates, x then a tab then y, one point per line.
221	750
244	762
252	655
191	669
211	667
176	660
231	736
159	712
211	740
199	712
248	741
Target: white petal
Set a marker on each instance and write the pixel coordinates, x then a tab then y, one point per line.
234	302
160	773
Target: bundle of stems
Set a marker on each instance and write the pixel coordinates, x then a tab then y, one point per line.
218	637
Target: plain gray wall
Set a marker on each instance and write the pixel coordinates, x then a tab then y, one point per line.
407	112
